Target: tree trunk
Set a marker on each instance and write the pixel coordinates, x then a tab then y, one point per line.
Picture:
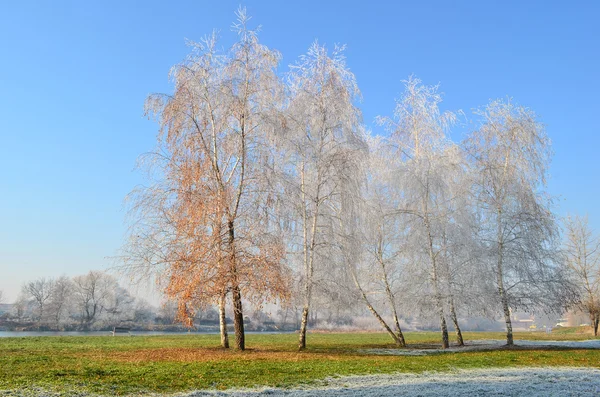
399	333
400	336
223	323
595	323
506	310
398	339
444	328
434	273
459	337
238	319
438	296
303	325
308	254
238	312
501	291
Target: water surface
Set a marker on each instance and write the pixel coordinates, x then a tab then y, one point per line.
18	334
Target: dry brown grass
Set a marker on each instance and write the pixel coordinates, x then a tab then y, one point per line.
210	355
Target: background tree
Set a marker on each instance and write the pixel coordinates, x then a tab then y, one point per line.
582	255
120	306
59	302
92	293
142	312
39	291
167	312
21	306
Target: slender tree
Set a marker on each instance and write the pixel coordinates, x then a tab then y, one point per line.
418	131
511	153
582	255
322	133
381	235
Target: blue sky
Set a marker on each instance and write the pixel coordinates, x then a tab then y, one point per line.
74	76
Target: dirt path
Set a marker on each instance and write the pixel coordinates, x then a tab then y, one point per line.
484	345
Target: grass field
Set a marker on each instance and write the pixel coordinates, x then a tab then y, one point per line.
167	364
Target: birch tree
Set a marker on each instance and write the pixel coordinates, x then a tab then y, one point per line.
206	219
323	132
582	255
418	131
376	266
456	256
511	154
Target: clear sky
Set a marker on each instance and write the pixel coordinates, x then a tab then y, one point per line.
74	76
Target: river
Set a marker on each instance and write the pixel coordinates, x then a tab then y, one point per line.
18	334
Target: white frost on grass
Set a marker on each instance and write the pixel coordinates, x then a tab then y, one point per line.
530	382
577	344
484	344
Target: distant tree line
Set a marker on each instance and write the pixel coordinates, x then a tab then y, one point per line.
96	301
82	302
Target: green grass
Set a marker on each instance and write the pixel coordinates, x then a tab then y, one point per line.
172	363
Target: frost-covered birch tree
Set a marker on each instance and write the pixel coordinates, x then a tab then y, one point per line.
418	132
323	133
457	250
510	152
374	262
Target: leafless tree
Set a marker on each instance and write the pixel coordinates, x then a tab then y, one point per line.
120	306
143	312
167	312
375	243
21	306
39	291
59	302
510	152
323	134
418	131
582	255
91	294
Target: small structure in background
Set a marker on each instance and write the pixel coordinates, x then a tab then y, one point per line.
121	330
563	322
